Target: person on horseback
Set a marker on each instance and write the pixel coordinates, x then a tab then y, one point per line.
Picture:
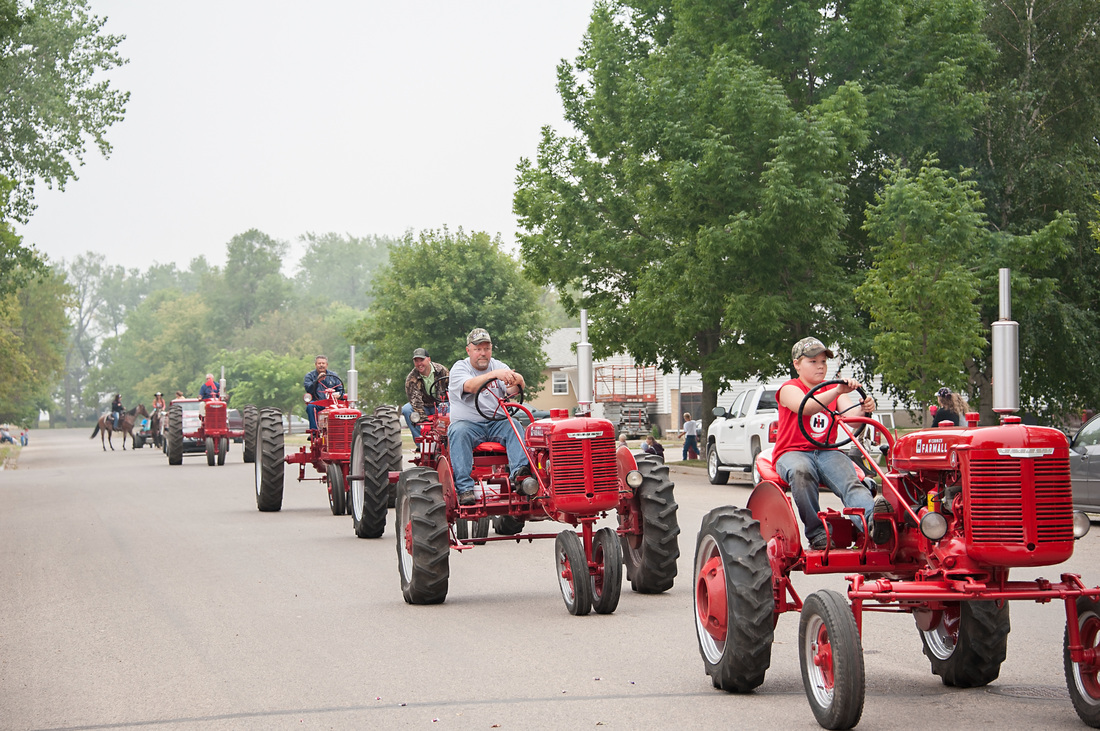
158	401
116	410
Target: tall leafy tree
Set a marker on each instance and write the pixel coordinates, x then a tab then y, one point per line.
337	268
435	289
252	283
53	97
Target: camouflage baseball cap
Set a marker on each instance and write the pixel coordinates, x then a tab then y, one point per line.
420	353
809	347
478	335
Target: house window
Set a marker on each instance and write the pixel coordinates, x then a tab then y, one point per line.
561	383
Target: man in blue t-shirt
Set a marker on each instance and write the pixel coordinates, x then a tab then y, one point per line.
469	428
315	383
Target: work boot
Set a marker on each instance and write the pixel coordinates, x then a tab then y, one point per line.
881	530
819	542
467	498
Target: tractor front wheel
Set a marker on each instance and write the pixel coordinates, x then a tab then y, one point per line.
651	556
572	567
506	525
607	581
270	464
211	452
734	606
1083	679
223	449
251	423
968	645
831	655
174	442
337	489
423	544
478	534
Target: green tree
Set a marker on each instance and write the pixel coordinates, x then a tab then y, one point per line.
18	263
435	289
337	268
922	293
53	99
264	379
252	284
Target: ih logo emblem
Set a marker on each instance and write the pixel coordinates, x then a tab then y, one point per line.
819	425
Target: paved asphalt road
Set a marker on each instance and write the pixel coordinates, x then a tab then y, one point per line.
138	595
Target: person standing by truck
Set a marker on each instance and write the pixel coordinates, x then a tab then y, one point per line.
691	438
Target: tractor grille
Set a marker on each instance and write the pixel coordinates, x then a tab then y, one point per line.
584	467
339	430
1002	492
215	416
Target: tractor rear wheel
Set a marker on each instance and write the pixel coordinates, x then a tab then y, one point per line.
392	456
423	543
174	443
573	577
734	605
368	495
651	557
831	655
251	419
337	488
210	452
506	525
223	449
607	582
715	475
269	462
1083	679
969	643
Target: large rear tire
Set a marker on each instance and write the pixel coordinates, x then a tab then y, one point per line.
423	544
174	443
251	423
715	475
734	606
968	645
369	495
607	582
337	489
270	464
651	557
831	655
392	455
1083	680
573	577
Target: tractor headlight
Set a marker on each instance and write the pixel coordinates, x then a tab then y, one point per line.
933	526
1081	524
634	479
414	417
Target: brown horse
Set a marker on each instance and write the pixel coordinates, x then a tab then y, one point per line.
105	426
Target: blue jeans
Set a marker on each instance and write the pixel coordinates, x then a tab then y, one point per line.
407	410
804	471
311	412
691	444
463	436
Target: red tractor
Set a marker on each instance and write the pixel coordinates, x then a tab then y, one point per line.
196	427
969	504
579	477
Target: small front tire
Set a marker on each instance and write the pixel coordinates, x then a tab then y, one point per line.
607	581
337	489
831	656
573	578
1083	680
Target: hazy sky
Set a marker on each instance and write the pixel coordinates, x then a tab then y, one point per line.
354	116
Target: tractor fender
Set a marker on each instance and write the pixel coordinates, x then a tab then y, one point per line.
771	508
626	462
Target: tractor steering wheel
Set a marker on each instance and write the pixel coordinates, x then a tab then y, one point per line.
504	409
438	391
832	416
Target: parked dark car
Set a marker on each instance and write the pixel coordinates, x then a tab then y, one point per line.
236	423
1084	466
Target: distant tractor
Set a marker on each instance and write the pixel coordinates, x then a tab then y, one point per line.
195	426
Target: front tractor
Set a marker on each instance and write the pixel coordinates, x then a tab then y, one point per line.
969	504
329	450
195	426
578	476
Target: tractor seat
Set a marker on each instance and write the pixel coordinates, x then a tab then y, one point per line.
490	448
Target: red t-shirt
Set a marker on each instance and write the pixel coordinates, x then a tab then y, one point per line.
790	438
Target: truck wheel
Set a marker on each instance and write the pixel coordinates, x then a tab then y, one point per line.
390	419
734	606
423	546
336	488
651	557
270	464
369	495
210	453
969	644
573	578
607	582
175	434
223	449
716	476
251	417
506	525
1083	680
831	656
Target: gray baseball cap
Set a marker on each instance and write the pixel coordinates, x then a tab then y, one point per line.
809	347
478	335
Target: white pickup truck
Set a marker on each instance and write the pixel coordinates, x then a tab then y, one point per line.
737	435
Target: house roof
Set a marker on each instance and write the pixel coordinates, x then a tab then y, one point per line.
559	347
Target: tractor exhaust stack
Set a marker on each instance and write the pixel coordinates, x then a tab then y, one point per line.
353	381
584	370
1006	352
